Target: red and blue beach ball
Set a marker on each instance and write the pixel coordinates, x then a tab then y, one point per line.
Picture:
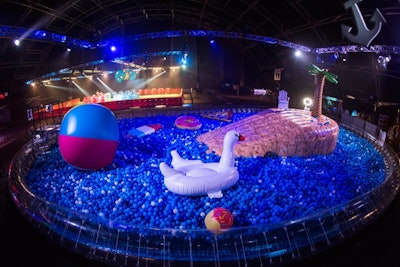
88	137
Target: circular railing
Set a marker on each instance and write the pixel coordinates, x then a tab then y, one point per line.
126	245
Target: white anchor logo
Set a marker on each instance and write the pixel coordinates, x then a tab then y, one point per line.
364	35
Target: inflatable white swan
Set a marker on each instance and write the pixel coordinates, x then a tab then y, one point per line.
196	178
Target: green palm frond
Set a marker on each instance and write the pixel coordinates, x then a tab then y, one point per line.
315	70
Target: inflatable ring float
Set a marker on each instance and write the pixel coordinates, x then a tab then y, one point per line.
195	177
188	122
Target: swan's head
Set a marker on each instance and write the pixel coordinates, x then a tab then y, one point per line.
234	136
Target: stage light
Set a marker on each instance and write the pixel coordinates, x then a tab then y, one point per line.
307	103
298	53
184	60
113	48
383	60
17	42
335	55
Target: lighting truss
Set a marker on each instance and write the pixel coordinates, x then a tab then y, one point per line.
17	32
378	49
24	33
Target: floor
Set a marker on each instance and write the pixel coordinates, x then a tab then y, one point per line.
376	245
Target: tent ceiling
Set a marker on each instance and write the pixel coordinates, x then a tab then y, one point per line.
309	23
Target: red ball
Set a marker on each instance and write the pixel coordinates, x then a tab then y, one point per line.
218	220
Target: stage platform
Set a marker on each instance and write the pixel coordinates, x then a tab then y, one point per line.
146	99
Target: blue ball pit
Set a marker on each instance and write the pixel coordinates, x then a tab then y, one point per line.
149	224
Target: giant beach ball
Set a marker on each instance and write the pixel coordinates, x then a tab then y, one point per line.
218	220
88	137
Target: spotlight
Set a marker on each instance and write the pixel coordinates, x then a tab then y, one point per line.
17	42
113	48
307	103
183	61
335	55
383	60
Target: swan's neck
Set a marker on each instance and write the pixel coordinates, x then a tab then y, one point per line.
227	158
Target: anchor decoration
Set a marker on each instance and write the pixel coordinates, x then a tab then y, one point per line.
364	35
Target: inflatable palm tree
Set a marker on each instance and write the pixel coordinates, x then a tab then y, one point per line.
320	76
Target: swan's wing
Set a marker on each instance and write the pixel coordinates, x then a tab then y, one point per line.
167	171
179	162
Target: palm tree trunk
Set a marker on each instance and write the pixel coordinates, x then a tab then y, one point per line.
319	84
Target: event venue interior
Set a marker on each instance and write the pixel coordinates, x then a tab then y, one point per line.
309	90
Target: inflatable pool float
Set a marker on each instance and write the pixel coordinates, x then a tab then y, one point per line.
144	130
188	122
196	178
225	116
